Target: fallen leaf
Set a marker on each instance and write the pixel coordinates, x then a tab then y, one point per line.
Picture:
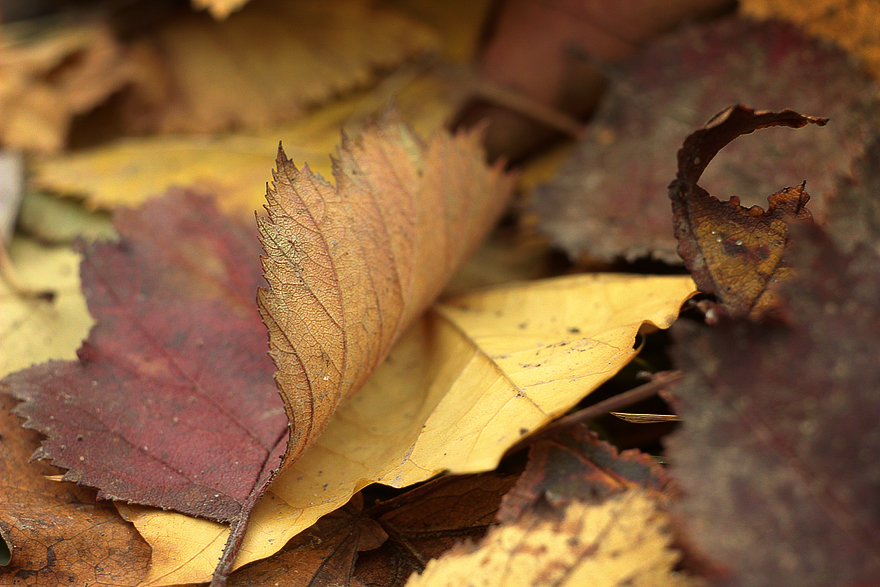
219	9
57	532
232	166
351	266
850	24
36	330
324	554
465	383
622	542
49	74
390	539
854	216
153	411
607	201
264	65
777	454
575	465
733	252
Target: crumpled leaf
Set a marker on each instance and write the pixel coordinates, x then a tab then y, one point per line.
465	383
734	252
351	266
36	330
777	455
622	542
57	532
575	465
607	201
391	539
153	412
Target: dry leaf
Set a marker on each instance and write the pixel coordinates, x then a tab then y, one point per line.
232	167
623	542
778	451
733	252
350	267
608	202
463	385
58	534
265	64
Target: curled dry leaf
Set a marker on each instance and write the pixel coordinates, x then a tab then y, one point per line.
778	452
734	252
350	267
607	201
57	533
622	542
460	387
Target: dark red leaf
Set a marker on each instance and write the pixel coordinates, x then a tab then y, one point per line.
778	454
575	465
172	402
607	202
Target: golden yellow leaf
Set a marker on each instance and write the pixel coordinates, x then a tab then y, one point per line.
32	330
468	380
623	542
232	167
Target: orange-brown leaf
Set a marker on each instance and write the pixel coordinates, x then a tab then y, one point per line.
350	266
732	251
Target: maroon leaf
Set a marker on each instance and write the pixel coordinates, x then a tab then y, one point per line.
608	199
778	454
575	465
172	402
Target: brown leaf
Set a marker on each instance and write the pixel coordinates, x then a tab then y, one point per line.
574	465
57	532
153	412
607	201
734	252
349	267
777	455
383	545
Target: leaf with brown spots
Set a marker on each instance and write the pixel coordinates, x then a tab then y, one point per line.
734	252
57	532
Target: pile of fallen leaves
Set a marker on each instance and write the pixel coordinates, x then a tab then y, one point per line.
390	378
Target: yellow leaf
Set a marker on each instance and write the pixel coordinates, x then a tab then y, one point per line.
459	388
231	167
621	542
31	330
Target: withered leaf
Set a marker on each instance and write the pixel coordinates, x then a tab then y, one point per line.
622	542
607	201
778	451
349	267
575	465
171	402
58	534
387	542
734	252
